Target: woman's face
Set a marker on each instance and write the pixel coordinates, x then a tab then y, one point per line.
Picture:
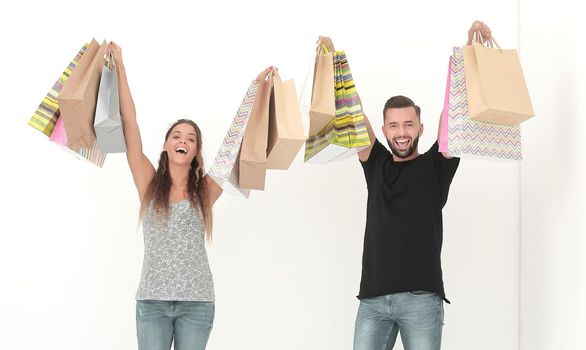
181	146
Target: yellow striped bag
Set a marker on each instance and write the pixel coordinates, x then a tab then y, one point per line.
346	134
46	115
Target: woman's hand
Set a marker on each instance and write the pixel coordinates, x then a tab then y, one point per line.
116	52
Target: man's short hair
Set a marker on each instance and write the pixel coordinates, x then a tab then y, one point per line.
401	102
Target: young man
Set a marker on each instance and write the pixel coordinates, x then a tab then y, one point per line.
402	290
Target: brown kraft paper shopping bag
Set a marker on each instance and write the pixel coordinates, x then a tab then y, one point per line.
495	85
323	99
253	152
77	100
286	135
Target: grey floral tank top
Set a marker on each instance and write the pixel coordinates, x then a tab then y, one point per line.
175	265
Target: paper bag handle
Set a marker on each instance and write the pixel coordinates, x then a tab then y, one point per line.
490	42
275	73
321	48
111	62
265	74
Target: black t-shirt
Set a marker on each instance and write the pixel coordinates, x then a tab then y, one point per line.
403	238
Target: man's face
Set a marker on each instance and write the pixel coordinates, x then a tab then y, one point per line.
402	130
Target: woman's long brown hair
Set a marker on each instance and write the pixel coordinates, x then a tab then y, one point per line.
160	186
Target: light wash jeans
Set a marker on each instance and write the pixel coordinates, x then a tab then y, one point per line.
186	323
418	316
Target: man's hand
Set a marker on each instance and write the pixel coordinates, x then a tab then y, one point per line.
479	27
327	42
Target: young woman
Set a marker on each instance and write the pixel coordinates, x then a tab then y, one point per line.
175	298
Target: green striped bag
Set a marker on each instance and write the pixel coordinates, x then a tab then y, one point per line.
346	134
47	113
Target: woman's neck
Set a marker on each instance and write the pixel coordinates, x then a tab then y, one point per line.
179	177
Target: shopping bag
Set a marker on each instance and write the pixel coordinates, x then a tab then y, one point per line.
495	85
92	155
286	135
225	168
253	153
107	121
78	98
323	105
59	135
46	115
471	138
346	134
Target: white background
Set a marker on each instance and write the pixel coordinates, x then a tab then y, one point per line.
286	263
553	220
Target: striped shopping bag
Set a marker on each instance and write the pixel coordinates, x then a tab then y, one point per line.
45	117
346	134
48	117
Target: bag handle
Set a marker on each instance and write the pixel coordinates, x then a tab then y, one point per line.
110	60
275	73
265	74
490	42
321	47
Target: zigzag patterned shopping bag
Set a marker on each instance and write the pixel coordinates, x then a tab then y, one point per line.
225	169
471	138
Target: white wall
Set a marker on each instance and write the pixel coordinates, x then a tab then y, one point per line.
553	192
286	263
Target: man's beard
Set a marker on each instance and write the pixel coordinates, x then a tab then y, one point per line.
404	153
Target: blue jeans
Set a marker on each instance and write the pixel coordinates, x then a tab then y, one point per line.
186	323
418	316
